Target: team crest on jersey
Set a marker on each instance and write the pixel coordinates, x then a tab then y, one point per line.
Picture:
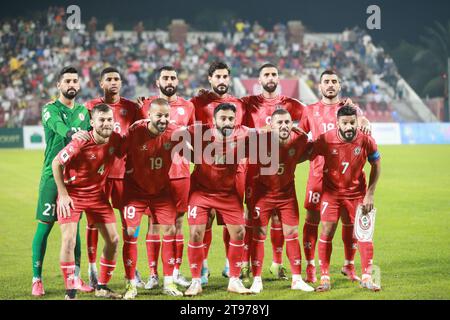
334	152
123	112
180	111
81	116
357	151
317	114
111	150
291	152
92	156
167	146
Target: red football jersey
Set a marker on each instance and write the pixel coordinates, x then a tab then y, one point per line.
148	159
282	183
125	112
343	174
216	175
206	103
317	119
259	109
87	164
181	114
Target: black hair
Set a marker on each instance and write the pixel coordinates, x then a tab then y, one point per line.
165	68
108	70
346	111
217	65
267	65
67	69
224	106
328	72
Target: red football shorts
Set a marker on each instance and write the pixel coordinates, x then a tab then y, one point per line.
285	205
161	209
228	206
332	209
180	192
98	210
114	189
313	193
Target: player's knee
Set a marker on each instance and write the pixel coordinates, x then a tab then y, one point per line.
261	231
169	230
196	235
113	240
130	231
312	216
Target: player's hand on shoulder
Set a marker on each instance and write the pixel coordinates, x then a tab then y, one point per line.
81	135
365	126
65	203
140	101
347	102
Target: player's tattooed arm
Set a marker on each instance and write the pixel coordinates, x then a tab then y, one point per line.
65	203
375	170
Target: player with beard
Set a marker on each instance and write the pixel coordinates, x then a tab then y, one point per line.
61	120
181	114
205	103
148	146
259	109
126	112
345	151
80	171
319	118
277	192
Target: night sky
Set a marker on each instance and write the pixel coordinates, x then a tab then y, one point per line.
399	19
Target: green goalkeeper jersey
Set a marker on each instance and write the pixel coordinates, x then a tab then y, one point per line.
58	120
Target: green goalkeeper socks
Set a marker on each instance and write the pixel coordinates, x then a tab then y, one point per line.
78	252
39	247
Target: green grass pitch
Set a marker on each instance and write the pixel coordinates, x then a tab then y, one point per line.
412	235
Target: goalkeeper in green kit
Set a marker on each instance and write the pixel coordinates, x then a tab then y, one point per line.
63	120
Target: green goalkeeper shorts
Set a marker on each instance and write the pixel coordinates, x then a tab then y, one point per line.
46	206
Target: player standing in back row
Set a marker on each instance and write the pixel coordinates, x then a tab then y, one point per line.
317	119
61	119
125	113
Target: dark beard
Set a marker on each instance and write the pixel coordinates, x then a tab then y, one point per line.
168	93
226	131
219	92
70	96
270	89
345	137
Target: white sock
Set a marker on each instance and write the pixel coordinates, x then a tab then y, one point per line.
205	263
257	278
227	263
366	277
311	262
36	279
347	262
176	273
92	267
77	271
196	280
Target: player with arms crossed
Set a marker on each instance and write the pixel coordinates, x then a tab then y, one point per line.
205	104
213	186
61	120
317	119
259	109
345	151
148	147
181	114
277	192
125	113
80	171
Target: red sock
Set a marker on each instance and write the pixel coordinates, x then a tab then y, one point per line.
247	243
129	254
106	271
168	255
179	250
92	241
257	254
366	253
309	240
350	243
68	271
235	257
277	238
153	243
325	249
207	241
294	253
226	240
196	252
